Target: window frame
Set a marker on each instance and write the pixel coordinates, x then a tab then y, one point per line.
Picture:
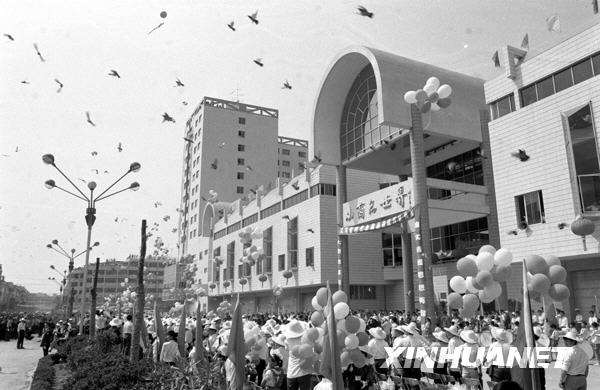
309	255
521	208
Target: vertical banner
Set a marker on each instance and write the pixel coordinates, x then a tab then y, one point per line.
339	263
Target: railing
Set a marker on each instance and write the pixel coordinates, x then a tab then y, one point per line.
589	192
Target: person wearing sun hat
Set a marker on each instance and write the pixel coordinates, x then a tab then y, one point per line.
441	340
377	347
502	342
454	342
470	369
574	366
298	378
363	377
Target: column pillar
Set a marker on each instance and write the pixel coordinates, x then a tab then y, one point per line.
342	240
422	233
407	269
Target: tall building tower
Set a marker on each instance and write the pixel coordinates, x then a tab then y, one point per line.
292	156
230	148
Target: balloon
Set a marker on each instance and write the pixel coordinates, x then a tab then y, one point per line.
360	362
420	95
503	257
363	338
536	264
476	285
471	256
458	284
484	278
317	318
312	334
352	324
435	107
339	296
434	81
355	355
345	359
322	296
494	290
363	325
305	351
315	304
307	363
254	256
444	91
552	260
487	248
466	267
260	250
455	301
341	337
484	297
426	107
485	261
557	274
433	97
341	324
351	341
429	89
444	102
410	97
540	283
163	14
466	313
341	310
559	292
502	273
470	302
470	287
295	351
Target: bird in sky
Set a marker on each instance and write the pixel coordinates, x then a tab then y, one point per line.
259	62
94	153
167	118
82	180
60	85
248	168
174	230
287	85
17	149
362	11
184	103
9	37
231	25
96	170
120	147
114	73
106	172
24	82
254	17
521	155
166	218
310	230
37	51
157	204
178	83
156	28
89	120
116	219
188	140
4	155
222	145
215	164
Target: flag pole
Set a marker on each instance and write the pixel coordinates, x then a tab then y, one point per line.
529	341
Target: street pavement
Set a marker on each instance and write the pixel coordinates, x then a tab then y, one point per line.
17	365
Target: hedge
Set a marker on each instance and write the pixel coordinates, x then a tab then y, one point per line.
43	377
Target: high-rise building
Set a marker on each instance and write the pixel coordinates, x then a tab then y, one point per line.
292	156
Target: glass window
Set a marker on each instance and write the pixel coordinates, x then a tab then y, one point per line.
303	154
596	64
528	95
582	71
241	161
363	292
310	257
392	249
285	152
545	88
530	208
241	134
504	106
241	148
240	175
268	250
292	229
285	163
241	121
230	259
281	263
239	190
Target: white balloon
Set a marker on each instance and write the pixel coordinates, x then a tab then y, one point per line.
485	261
493	290
444	91
471	256
430	88
363	325
503	257
435	107
410	97
470	287
458	284
434	81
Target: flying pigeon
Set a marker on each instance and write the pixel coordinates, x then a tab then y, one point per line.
166	218
231	26
521	155
37	51
80	179
60	85
188	140
94	153
105	171
310	230
184	103
120	147
17	149
155	28
362	11
178	83
156	204
259	62
174	230
24	82
287	85
214	164
96	170
254	17
248	168
117	219
89	120
114	73
222	145
167	118
9	37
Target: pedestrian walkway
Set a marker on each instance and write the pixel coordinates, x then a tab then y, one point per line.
17	365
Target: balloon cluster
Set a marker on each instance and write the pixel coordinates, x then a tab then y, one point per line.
252	254
431	97
351	333
248	234
223	309
546	277
254	341
479	279
277	290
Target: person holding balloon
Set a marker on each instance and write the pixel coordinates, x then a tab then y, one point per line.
360	374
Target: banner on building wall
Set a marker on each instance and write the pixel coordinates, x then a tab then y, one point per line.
369	227
380	204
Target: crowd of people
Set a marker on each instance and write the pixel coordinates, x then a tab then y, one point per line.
272	365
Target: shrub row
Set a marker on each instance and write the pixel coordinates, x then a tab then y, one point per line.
43	377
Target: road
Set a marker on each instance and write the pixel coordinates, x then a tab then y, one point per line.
17	365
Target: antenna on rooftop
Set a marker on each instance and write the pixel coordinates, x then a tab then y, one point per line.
236	95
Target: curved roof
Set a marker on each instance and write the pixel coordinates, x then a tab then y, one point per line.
395	76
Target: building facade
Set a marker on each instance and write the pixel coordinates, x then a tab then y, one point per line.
292	156
544	113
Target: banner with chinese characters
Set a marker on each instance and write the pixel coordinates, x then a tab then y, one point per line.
386	202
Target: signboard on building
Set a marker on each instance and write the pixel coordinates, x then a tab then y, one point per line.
379	204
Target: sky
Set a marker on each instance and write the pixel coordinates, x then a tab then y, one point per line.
81	41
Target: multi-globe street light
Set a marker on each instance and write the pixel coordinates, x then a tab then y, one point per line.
90	217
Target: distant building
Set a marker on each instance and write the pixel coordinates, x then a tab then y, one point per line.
291	156
173	282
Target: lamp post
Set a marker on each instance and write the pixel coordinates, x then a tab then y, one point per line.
90	215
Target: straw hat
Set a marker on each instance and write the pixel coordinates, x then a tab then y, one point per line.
115	322
469	336
571	336
502	335
293	330
366	349
398	328
453	330
279	339
543	339
411	329
441	336
377	333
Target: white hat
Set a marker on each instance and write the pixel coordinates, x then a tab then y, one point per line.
377	333
502	335
469	336
411	329
115	322
441	336
571	336
453	330
293	330
398	328
279	339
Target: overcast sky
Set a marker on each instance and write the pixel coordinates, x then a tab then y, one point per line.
82	41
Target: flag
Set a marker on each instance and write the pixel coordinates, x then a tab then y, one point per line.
553	23
525	42
160	331
236	347
595	6
529	378
496	59
331	367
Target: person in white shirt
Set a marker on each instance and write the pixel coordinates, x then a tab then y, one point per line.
21	327
169	352
298	378
592	318
563	321
377	347
574	366
127	335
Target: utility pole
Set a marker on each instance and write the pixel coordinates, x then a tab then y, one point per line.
93	307
139	312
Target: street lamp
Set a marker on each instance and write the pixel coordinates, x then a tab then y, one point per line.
90	217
